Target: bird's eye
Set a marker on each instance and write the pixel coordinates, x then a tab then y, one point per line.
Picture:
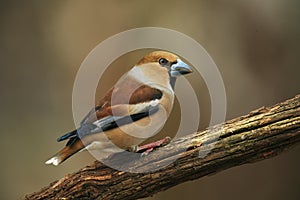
163	61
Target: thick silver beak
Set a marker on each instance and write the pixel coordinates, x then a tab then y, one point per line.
180	68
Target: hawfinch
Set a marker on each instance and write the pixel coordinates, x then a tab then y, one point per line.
134	109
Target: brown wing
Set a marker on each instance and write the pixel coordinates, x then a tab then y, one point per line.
126	101
141	95
122	94
130	92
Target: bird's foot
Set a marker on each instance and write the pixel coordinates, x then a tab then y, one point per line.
147	148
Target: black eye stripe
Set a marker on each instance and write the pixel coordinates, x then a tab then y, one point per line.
172	63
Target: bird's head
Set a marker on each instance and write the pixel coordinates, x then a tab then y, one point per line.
162	60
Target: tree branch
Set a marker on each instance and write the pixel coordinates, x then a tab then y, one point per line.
261	134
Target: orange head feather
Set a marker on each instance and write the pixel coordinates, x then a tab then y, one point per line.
156	55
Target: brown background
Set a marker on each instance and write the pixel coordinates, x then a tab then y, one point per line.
254	43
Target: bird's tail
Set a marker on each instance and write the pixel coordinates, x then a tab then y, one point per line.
65	153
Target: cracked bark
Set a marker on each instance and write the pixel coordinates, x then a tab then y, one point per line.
261	134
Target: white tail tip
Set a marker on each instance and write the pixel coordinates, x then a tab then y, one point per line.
54	161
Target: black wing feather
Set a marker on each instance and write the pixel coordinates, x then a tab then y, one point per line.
105	124
67	136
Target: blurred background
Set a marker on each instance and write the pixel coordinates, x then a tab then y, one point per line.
255	44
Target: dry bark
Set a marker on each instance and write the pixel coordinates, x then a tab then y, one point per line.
261	134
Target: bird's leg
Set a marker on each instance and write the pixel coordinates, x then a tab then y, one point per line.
147	148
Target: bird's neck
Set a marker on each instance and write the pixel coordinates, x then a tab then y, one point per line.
172	81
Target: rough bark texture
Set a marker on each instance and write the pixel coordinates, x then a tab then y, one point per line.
261	134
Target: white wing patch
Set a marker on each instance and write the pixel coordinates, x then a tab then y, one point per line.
143	107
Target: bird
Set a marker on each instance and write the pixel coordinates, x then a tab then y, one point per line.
134	109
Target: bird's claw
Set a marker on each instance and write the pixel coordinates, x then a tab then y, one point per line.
147	148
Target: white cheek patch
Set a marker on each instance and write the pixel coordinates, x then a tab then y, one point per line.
138	74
